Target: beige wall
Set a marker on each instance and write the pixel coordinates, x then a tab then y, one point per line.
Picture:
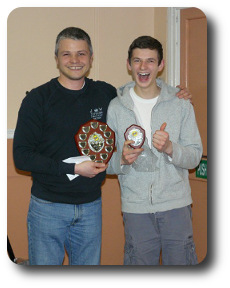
31	38
32	33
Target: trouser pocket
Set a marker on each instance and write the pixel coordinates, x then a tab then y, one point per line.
191	257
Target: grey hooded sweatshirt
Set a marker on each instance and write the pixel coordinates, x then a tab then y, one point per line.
156	182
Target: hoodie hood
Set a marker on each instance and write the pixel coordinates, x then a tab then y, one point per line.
167	93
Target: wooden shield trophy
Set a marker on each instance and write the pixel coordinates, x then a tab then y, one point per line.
96	140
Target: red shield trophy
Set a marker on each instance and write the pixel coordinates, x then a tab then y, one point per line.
96	140
137	134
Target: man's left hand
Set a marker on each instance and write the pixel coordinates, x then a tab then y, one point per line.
161	140
184	93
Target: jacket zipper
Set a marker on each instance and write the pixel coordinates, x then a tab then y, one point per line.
151	194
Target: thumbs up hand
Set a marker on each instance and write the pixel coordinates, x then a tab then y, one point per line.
161	140
163	126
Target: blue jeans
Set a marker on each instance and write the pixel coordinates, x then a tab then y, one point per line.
54	227
146	235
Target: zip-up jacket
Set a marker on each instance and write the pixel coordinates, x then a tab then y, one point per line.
156	182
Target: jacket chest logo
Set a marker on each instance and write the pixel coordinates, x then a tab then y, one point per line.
96	113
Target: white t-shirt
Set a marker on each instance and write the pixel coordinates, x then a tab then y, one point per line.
143	109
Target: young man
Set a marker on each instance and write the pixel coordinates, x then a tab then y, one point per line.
63	213
155	190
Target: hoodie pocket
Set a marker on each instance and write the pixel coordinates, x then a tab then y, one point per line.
172	185
134	187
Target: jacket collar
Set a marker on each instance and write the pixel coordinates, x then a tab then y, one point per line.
167	93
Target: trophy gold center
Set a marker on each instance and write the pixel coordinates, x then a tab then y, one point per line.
96	142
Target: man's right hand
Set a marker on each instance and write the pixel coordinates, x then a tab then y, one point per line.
89	168
129	155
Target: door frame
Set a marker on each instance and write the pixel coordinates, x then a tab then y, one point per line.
173	47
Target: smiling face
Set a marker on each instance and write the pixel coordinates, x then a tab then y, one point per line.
73	61
144	68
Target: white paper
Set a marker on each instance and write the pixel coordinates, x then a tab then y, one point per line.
76	160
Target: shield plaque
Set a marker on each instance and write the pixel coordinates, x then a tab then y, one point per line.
137	134
96	140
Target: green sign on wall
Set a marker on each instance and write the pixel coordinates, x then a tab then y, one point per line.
201	170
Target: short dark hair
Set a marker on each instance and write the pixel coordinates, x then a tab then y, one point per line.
146	42
75	34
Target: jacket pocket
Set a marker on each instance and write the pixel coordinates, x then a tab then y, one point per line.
134	188
172	184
